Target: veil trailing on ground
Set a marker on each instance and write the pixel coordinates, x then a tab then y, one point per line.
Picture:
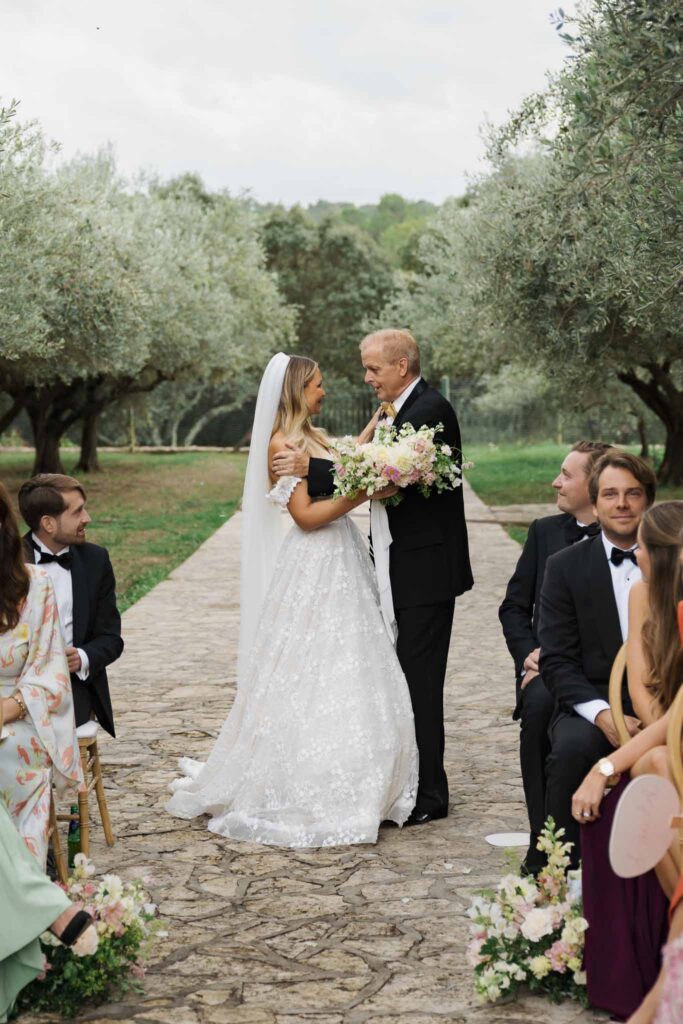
263	525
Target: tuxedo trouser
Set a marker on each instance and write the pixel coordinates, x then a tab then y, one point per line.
575	746
536	709
424	635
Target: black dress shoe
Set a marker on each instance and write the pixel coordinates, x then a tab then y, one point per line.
418	817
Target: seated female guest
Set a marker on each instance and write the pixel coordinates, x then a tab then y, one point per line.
619	981
31	903
39	735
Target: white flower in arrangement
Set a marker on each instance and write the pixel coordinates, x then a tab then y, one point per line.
572	933
111	887
574	886
580	977
537	923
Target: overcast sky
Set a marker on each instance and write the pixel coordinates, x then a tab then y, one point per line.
295	100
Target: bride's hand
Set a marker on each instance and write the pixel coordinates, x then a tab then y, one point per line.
386	492
368	432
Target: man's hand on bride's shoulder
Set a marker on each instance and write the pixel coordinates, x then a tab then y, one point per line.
290	463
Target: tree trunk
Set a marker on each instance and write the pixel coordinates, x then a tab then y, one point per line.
671	469
8	417
46	437
642	434
665	400
89	460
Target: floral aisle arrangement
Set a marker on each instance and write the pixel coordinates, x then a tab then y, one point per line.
530	931
404	458
125	922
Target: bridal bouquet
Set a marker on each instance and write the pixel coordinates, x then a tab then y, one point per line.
404	458
124	920
531	931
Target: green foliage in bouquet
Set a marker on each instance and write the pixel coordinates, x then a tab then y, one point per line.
125	925
531	931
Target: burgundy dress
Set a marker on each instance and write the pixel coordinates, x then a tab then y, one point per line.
627	921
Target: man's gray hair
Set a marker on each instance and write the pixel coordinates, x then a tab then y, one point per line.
396	344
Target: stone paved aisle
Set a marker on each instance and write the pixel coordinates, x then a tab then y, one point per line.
343	936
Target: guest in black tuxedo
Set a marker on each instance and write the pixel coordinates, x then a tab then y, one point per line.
429	556
53	506
583	623
519	617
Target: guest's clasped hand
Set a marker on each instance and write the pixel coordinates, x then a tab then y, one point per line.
605	722
73	659
531	666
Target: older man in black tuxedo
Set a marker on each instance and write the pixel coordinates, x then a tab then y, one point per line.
583	623
519	617
429	563
53	506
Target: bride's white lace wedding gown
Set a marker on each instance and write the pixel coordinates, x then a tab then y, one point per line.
319	746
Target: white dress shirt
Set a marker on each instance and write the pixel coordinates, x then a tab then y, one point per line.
64	594
623	578
399	402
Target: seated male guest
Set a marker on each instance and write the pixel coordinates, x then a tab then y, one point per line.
53	506
583	623
519	617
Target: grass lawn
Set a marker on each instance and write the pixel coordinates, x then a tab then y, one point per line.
150	511
520	474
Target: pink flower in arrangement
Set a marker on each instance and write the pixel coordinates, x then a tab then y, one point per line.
558	954
391	473
429	478
550	884
420	446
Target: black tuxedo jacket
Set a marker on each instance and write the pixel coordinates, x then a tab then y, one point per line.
429	555
96	628
521	606
579	629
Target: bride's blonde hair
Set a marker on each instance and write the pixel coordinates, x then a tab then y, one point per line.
293	418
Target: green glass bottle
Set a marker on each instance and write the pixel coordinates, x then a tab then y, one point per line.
74	838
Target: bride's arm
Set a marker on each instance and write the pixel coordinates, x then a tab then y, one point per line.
307	513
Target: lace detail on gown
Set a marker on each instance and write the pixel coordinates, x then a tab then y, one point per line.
319	746
283	490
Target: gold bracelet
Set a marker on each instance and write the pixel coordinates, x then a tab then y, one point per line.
18	700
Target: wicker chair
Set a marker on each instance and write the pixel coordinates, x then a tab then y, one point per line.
92	775
616	680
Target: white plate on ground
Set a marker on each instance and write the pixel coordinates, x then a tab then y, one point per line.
508	839
641	830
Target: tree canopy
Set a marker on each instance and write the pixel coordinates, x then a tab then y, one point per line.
568	258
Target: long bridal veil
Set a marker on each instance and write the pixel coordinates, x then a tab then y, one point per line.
263	525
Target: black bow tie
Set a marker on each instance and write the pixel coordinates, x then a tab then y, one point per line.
618	556
45	556
573	532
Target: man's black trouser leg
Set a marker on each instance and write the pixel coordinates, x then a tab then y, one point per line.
536	708
423	638
575	746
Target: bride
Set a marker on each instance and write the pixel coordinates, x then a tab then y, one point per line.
319	746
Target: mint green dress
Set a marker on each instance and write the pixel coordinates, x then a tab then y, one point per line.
30	902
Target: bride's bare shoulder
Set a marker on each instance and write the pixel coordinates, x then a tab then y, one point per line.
278	443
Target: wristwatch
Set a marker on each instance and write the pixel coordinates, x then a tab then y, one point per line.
606	768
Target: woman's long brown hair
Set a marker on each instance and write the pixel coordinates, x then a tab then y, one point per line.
660	532
14	577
